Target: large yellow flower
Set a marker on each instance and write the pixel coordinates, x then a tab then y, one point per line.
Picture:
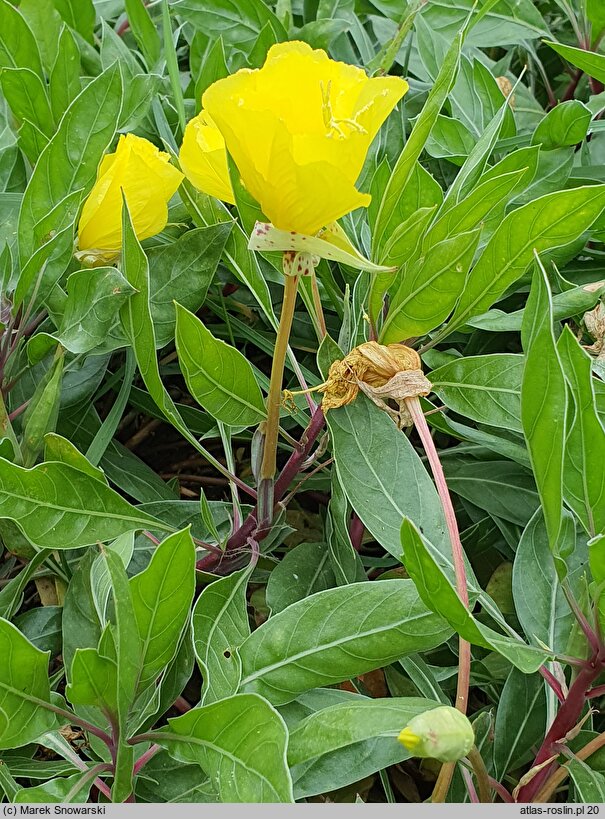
299	129
203	158
147	179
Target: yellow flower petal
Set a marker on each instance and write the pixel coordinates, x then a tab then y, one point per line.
148	181
299	130
203	158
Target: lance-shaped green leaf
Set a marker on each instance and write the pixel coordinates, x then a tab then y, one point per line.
24	690
219	377
382	490
430	288
520	720
161	599
438	594
220	626
588	61
240	742
544	402
395	192
123	643
18	47
59	507
552	221
66	167
584	467
335	635
566	124
486	388
338	726
333	243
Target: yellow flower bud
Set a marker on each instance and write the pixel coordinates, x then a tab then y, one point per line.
147	179
299	129
203	158
444	734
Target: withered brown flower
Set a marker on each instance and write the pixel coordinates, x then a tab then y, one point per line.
383	372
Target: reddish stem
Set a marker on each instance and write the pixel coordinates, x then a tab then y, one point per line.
567	718
144	758
356	531
239	538
553	682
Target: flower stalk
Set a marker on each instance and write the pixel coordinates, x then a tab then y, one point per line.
271	424
464	650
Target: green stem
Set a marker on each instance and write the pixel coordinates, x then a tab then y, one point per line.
481	775
269	463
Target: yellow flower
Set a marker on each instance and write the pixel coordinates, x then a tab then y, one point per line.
203	158
148	181
299	130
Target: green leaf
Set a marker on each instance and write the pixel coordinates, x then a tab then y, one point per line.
383	490
504	489
539	600
520	721
566	124
331	729
596	15
335	635
220	626
507	23
122	642
544	402
18	47
584	467
161	599
24	690
590	62
66	167
486	388
396	190
45	22
138	324
549	222
569	303
304	570
430	288
239	25
240	742
218	376
26	94
79	15
144	31
64	81
183	271
94	298
343	743
438	593
403	246
59	507
93	681
73	789
589	784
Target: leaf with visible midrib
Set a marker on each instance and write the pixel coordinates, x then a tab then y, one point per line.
335	635
549	222
218	376
59	507
24	688
240	742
